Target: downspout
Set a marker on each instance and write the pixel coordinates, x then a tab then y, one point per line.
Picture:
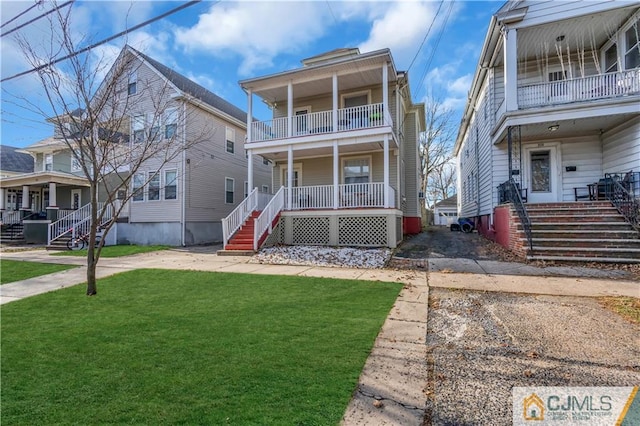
184	175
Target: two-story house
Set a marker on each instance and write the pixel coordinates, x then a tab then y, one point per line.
343	141
548	150
177	196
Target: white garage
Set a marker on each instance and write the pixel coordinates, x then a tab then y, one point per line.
445	212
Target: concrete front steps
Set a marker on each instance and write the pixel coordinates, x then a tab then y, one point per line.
591	231
12	234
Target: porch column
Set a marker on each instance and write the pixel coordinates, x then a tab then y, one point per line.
289	176
250	171
52	208
2	198
290	109
335	101
249	115
386	171
510	68
25	197
336	175
385	90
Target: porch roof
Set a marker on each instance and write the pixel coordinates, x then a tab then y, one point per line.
43	178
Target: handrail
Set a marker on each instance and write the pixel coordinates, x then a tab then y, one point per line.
238	216
509	192
11	217
623	190
264	222
69	222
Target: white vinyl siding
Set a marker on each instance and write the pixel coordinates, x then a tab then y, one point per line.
621	148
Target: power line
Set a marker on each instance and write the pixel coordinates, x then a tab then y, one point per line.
36	18
106	40
426	35
37	3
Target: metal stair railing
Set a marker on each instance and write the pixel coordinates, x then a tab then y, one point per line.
264	222
509	191
623	190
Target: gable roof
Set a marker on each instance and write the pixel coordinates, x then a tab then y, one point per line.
12	160
192	88
448	202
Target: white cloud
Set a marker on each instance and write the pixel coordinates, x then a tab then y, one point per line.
255	31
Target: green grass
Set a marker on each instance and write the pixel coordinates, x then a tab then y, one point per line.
16	270
187	347
113	251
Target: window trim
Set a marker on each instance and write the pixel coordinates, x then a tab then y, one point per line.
76	165
141	189
132	82
355	94
153	175
170	119
265	189
233	190
45	163
232	140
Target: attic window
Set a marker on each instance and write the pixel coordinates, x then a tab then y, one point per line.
133	81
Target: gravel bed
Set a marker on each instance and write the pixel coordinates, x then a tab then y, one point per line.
348	257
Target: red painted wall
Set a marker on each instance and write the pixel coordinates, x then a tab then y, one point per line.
412	225
501	225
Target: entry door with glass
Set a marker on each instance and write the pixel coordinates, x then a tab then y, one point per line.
542	175
76	198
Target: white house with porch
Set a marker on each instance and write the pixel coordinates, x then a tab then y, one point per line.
343	140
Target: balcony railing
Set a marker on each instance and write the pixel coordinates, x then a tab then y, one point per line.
354	118
589	88
353	195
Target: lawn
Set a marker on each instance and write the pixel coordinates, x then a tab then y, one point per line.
187	347
16	270
113	251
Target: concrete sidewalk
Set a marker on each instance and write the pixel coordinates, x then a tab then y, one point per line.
391	388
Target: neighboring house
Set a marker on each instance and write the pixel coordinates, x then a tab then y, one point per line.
344	143
181	203
445	212
13	162
553	116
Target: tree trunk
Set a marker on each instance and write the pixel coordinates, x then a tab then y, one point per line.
92	289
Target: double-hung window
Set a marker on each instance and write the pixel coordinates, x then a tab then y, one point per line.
170	122
632	46
170	184
75	160
230	140
229	185
48	162
611	59
132	86
137	126
138	186
356	170
153	191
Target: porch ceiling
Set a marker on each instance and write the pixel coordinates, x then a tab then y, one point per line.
43	178
590	32
327	151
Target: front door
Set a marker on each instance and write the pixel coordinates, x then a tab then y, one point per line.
76	198
542	173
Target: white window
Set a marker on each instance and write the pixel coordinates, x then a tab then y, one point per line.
48	162
154	131
132	87
75	160
356	170
170	184
632	46
138	186
265	189
153	191
229	185
170	122
137	126
230	140
611	59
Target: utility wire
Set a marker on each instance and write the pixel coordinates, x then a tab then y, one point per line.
37	3
36	18
106	40
426	35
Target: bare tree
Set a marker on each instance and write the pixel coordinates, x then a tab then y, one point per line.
441	183
110	133
436	145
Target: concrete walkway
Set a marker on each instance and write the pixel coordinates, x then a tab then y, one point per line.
392	384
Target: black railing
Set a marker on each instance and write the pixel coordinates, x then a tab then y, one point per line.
623	190
509	192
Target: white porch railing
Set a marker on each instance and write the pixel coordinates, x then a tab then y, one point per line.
64	212
77	222
352	195
264	222
11	217
353	118
254	201
589	88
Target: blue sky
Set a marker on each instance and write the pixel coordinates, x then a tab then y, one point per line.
219	43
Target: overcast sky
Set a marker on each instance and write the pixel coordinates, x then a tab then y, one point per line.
219	43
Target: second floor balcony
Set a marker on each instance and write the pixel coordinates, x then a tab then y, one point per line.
321	122
584	89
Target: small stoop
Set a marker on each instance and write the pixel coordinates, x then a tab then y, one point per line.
581	232
242	240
